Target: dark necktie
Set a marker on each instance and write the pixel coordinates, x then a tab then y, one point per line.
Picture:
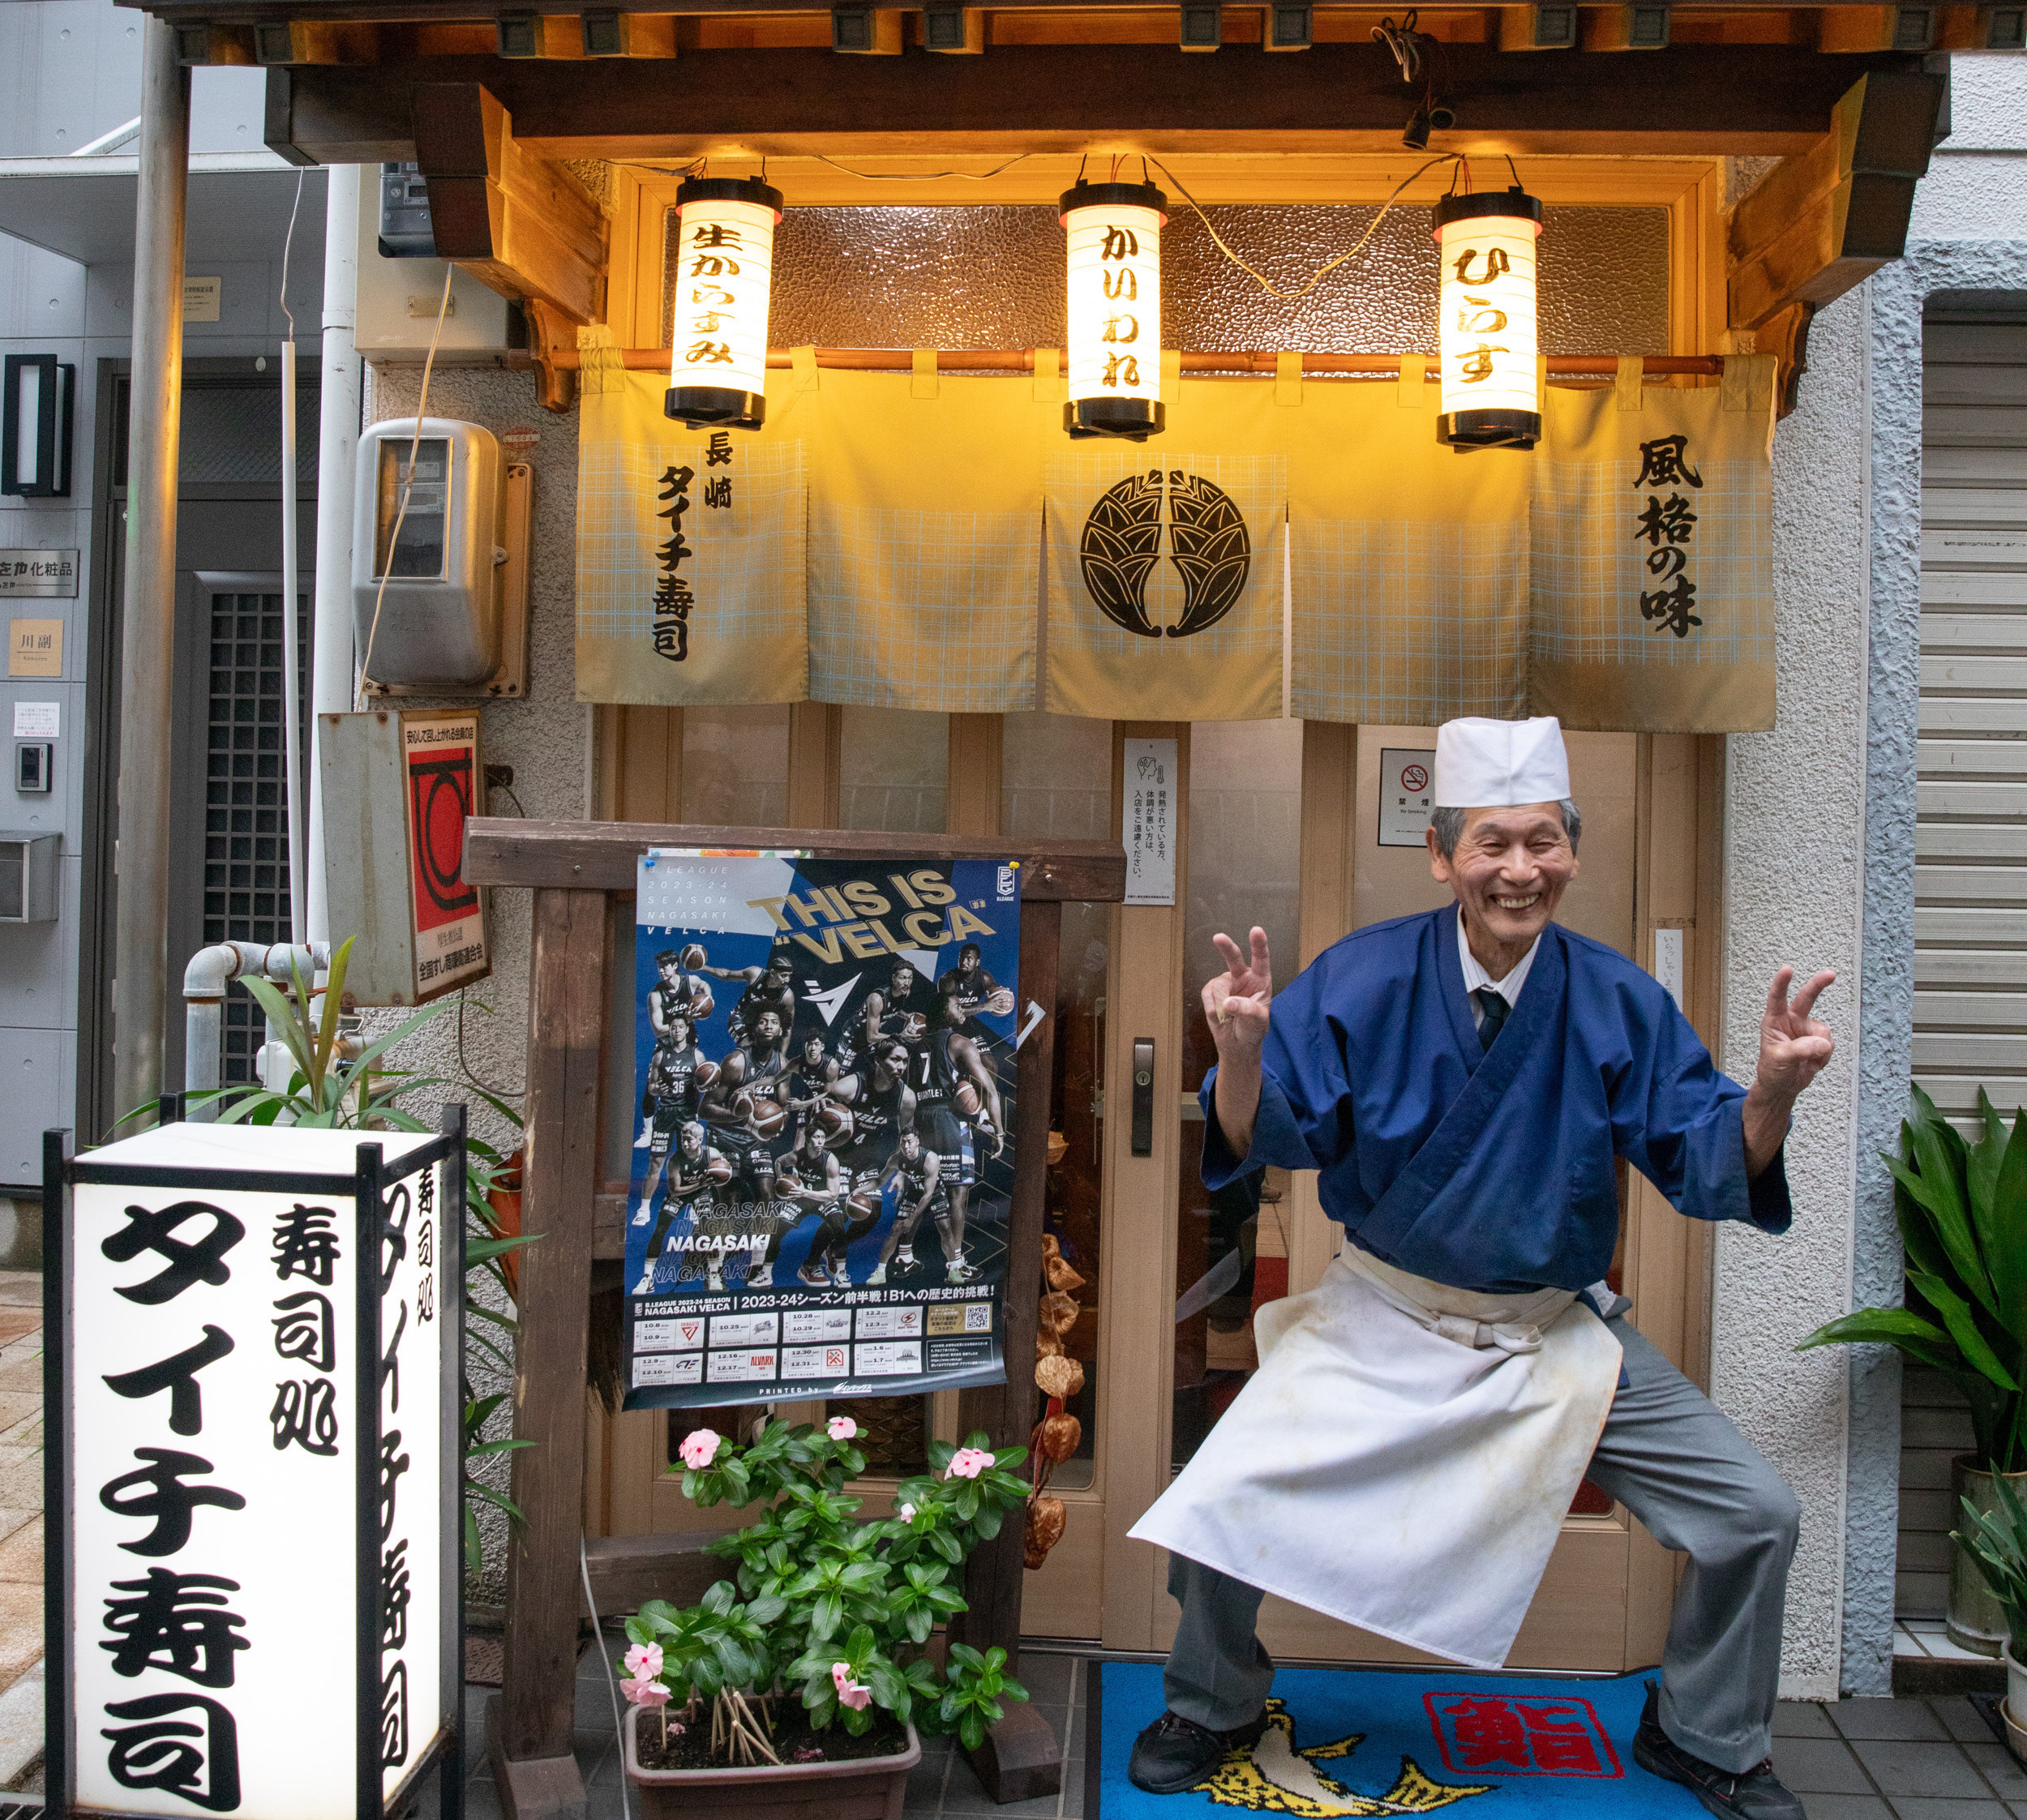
1495	1009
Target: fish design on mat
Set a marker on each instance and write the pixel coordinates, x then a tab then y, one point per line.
1274	1776
1207	543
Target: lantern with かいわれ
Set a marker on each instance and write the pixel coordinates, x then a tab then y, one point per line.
724	267
1488	337
1114	235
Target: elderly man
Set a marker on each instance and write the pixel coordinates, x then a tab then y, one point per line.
1462	1081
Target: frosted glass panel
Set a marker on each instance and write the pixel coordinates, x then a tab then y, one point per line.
736	766
993	277
894	770
1057	781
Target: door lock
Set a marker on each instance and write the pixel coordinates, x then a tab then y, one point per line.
1143	1096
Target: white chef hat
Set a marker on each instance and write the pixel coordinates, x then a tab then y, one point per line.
1482	764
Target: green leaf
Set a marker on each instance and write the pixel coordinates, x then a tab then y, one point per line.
1936	1190
2004	1234
1957	1316
1921	1340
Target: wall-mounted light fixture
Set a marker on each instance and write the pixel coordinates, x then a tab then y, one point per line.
723	277
36	417
1114	234
1487	333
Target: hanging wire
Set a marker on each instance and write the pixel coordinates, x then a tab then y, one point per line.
1404	41
287	241
1323	271
923	176
408	484
470	1074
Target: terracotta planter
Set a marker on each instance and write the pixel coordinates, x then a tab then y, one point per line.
1975	1621
504	1199
862	1789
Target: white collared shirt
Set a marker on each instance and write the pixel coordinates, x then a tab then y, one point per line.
1475	976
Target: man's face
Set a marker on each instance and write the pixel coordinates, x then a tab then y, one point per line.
967	959
1510	871
903	982
692	1141
813	1052
910	1146
770	1027
777	973
680	1033
671	972
896	1060
813	1141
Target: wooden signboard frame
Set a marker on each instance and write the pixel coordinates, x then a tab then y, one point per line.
579	872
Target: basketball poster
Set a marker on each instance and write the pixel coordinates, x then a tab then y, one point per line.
823	1158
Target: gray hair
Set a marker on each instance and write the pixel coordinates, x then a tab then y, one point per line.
1449	824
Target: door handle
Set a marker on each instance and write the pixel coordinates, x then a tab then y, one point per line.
1143	1096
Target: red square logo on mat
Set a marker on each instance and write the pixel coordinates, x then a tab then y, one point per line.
1481	1734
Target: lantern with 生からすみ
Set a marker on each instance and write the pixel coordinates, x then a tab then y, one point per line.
724	267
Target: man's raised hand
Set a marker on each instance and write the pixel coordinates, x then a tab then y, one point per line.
1793	1046
1235	1002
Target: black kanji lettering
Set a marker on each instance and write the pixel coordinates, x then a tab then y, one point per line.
149	1229
305	1414
170	1501
179	1377
305	1329
158	1752
306	1245
177	1621
1664	462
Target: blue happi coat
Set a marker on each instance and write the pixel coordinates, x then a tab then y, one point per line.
1492	1170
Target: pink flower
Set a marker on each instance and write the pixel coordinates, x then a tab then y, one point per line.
849	1693
700	1448
968	1462
648	1693
842	1428
644	1661
907	1512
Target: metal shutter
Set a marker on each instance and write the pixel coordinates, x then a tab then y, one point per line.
1970	919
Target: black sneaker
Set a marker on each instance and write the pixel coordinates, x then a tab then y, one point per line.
1174	1753
1753	1794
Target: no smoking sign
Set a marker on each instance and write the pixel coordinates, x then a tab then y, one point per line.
1403	796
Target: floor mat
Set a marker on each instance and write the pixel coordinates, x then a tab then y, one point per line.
1369	1742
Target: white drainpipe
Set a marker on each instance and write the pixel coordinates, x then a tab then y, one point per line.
337	450
206	980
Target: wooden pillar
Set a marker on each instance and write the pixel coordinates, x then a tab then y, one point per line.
529	1725
978	744
1021	1758
816	737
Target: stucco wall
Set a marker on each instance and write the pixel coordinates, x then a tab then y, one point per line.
1793	884
544	736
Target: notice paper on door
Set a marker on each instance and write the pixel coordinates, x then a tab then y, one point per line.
1150	821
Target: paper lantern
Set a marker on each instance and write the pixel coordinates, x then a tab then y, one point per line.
1114	232
254	1341
725	269
1491	382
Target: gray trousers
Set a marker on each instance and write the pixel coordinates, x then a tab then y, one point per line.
1690	1476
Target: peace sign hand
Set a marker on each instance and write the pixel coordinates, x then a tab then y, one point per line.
1235	1002
1794	1047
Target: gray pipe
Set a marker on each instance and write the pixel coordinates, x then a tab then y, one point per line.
141	933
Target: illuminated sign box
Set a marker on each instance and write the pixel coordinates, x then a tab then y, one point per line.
253	1347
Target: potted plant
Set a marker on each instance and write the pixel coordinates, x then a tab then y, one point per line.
1962	1209
803	1681
1997	1541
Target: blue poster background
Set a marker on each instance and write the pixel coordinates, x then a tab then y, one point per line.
773	993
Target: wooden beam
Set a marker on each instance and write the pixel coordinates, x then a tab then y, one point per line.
1693	98
600	855
1821	222
522	225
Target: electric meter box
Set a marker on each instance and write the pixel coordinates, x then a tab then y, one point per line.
28	881
427	558
398	787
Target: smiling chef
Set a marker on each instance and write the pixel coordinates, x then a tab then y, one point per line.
1463	1081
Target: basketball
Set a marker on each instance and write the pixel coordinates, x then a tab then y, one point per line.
718	1170
864	1201
705	1074
693	957
701	1003
967	1098
765	1115
832	1118
999	1004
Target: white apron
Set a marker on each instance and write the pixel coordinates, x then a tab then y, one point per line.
1403	1457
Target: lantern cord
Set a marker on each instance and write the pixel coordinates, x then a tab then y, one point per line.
1404	41
1323	272
921	176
